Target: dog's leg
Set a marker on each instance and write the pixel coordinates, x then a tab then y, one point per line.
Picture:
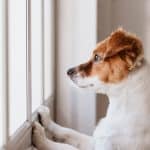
42	143
69	136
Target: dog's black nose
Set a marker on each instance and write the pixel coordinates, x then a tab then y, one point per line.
71	71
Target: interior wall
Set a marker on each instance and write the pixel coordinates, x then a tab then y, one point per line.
75	37
132	15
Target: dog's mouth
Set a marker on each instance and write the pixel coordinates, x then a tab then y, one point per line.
80	81
86	86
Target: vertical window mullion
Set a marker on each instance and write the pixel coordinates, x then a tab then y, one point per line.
17	64
28	51
36	53
43	50
5	74
48	50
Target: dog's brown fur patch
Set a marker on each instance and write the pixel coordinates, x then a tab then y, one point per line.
119	53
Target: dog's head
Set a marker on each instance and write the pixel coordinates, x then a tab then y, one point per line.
112	61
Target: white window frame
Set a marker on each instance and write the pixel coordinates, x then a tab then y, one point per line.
21	139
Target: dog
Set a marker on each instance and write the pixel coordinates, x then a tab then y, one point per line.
118	69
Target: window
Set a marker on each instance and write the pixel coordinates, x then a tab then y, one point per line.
36	52
1	120
48	55
1	77
28	34
17	63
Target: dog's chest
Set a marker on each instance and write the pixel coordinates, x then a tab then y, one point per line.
111	136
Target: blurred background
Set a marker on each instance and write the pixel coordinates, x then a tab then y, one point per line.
40	40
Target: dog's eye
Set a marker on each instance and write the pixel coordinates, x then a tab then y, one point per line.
97	58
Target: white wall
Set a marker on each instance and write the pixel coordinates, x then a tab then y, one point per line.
76	36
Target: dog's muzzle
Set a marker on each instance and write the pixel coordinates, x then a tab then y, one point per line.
71	72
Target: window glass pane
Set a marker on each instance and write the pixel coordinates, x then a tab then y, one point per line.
36	48
17	63
1	120
1	130
48	45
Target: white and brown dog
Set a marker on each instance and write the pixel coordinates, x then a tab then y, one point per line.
118	69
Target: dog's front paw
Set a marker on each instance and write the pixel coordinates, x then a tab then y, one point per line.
38	135
44	116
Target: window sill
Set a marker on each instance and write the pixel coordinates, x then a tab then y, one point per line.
21	140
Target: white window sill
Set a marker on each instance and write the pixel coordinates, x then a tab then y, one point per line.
21	140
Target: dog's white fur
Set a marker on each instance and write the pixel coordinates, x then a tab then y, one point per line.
125	127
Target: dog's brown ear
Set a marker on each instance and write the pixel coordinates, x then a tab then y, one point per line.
118	41
127	45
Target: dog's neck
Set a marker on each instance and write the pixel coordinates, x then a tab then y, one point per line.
132	96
